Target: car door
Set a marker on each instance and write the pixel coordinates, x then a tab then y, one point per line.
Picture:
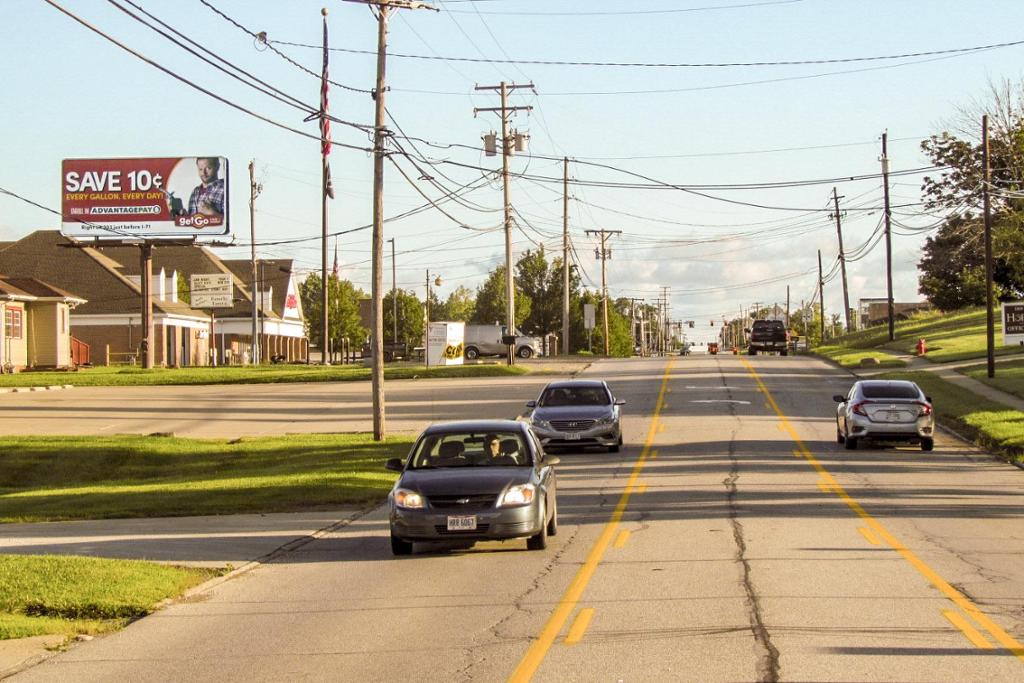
545	472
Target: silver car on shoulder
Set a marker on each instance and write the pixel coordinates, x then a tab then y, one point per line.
886	411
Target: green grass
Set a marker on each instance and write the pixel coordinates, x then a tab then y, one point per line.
68	595
989	424
90	477
243	374
951	337
1009	376
851	359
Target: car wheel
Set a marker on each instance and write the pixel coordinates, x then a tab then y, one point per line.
615	448
851	443
389	356
783	353
751	352
927	444
400	546
553	524
472	353
540	540
524	352
839	436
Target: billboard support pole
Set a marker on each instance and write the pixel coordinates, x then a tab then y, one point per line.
146	262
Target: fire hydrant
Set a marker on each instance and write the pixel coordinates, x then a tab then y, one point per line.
735	351
922	347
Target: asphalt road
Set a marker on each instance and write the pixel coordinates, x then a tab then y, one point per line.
731	540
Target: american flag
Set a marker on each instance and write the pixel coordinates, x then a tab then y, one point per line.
325	123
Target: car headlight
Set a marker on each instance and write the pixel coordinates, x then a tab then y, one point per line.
410	500
537	422
606	420
521	494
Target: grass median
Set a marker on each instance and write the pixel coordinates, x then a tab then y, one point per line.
987	423
90	477
246	374
42	595
1009	376
850	358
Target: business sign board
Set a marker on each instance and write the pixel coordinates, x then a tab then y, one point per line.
589	316
445	343
211	291
172	197
1013	323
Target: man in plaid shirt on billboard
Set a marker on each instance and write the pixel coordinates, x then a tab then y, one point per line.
208	197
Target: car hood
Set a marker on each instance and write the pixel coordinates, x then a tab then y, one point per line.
453	481
572	412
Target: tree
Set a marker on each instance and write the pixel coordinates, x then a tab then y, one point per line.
620	337
490	301
952	267
460	305
410	317
343	308
543	283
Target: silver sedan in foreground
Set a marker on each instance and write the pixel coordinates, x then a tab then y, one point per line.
886	411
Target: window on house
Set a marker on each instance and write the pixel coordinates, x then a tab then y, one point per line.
12	323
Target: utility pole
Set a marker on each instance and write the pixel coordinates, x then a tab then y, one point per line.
605	254
842	260
254	191
787	307
380	134
394	295
146	262
506	152
990	325
565	256
821	297
888	236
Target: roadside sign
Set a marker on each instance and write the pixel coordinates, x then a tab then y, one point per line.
1013	323
589	316
445	343
175	197
211	291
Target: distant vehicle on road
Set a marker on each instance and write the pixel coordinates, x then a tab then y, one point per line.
768	335
576	414
476	480
392	351
713	348
489	340
886	411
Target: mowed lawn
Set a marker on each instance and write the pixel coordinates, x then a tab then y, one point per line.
245	374
950	337
42	595
1009	376
61	478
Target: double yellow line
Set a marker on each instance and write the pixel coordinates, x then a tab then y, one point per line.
875	529
534	656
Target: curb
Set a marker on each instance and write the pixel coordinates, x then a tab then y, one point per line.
21	390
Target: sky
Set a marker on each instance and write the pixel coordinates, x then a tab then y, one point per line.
675	130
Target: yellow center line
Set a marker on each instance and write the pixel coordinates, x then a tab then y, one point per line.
579	626
958	598
866	533
972	634
641	488
531	661
623	536
654	454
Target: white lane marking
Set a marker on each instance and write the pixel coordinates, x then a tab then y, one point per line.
722	400
719	388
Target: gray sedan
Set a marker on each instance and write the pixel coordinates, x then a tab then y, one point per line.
476	480
881	410
577	413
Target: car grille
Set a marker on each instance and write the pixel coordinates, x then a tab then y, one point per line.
465	502
442	530
572	425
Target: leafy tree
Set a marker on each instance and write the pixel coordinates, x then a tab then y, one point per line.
459	305
490	301
343	308
619	336
543	283
410	317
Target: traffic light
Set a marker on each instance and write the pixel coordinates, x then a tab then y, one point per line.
712	323
690	323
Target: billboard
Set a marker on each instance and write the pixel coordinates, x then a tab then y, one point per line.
445	343
1013	323
171	197
211	291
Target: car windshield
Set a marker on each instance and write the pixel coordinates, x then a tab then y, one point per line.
471	449
890	391
574	396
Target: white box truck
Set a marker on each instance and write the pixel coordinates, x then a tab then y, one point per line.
489	340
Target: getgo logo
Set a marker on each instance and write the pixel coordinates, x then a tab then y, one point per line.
196	220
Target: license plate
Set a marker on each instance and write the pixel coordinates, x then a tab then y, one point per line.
572	436
894	416
466	523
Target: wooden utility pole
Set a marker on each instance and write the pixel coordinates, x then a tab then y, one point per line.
505	111
146	263
394	295
888	236
787	307
821	297
842	260
565	256
254	191
990	326
604	254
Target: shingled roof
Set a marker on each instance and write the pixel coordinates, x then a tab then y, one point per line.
32	288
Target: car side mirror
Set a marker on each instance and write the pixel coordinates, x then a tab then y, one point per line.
928	398
620	402
552	460
394	464
531	404
839	399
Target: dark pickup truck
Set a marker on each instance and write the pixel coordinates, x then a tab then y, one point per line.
768	335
